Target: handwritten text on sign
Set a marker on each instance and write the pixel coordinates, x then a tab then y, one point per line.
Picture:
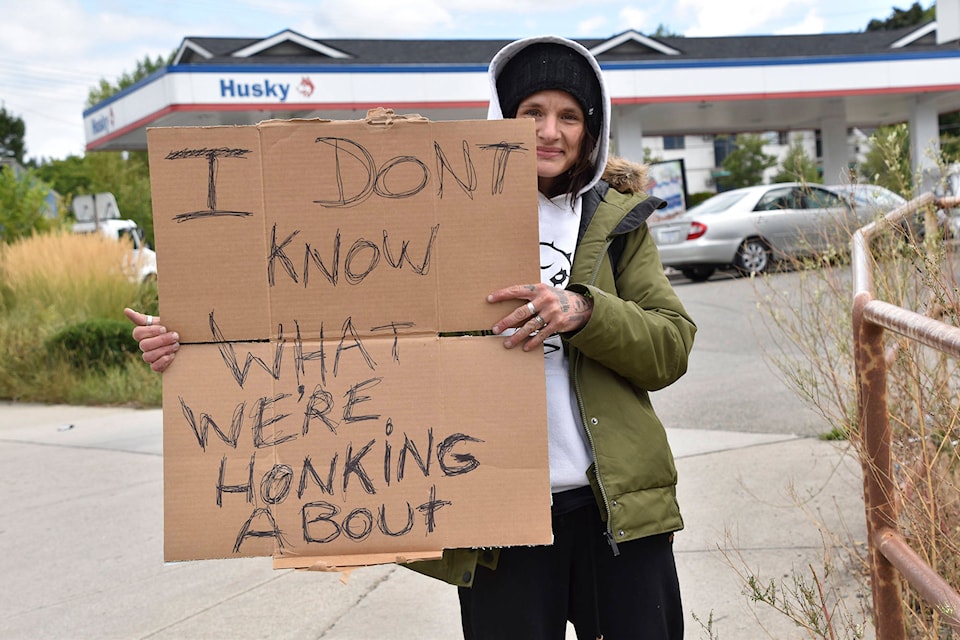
319	405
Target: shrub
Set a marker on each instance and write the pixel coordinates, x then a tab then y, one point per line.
96	344
698	197
23	205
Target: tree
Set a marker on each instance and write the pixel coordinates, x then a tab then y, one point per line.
747	162
949	122
23	204
125	175
915	15
663	31
887	163
797	166
950	136
12	132
143	69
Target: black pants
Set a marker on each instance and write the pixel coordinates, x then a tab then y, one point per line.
535	590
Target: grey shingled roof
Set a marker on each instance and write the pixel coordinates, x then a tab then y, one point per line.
461	52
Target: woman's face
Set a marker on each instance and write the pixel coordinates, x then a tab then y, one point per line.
560	127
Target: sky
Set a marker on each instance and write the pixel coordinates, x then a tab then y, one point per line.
52	52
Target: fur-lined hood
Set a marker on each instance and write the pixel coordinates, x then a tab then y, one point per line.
625	175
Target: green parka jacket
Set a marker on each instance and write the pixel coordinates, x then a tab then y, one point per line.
637	340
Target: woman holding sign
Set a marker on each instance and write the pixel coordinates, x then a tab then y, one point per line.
612	330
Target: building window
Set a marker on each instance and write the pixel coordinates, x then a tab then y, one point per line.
673	142
722	146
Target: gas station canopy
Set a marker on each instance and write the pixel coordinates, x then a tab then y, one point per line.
659	86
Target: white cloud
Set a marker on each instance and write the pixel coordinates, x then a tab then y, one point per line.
592	26
53	51
380	18
637	19
734	17
440	18
812	23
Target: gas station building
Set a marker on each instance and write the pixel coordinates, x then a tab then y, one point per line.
671	87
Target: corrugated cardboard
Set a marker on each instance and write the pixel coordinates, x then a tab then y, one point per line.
323	403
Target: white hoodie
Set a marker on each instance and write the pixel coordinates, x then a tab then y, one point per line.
570	454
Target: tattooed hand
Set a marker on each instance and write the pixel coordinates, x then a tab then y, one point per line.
546	310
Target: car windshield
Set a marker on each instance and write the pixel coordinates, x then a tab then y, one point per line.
133	234
877	197
718	203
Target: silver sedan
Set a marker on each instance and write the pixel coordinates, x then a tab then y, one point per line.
749	228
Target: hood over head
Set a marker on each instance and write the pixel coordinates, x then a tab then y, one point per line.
539	63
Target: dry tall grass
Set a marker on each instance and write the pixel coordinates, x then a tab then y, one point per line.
813	328
48	282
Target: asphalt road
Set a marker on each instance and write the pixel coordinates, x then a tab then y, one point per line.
731	383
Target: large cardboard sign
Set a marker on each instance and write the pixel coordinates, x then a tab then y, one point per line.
326	402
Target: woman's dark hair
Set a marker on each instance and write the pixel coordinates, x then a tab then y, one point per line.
581	173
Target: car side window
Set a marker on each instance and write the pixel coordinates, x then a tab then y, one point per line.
821	199
775	200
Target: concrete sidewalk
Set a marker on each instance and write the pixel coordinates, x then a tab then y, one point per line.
82	524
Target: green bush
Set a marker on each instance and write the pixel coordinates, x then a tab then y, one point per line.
145	300
98	343
699	196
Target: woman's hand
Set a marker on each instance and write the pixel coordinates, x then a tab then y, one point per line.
547	310
158	345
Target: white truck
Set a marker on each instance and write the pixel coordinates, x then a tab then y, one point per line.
99	213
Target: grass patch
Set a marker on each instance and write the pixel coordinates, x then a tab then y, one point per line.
61	322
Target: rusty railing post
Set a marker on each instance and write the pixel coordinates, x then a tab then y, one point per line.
877	469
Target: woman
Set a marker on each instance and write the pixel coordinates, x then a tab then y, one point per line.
610	334
611	329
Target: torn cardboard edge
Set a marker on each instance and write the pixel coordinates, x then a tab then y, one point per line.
350	562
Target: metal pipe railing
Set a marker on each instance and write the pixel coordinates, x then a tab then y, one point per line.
890	556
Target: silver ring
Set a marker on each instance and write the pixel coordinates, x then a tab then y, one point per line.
531	309
149	321
539	321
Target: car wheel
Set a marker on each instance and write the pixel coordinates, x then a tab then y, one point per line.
697	274
753	256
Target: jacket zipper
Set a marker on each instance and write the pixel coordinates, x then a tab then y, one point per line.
583	417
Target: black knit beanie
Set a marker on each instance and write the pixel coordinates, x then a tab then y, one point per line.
549	65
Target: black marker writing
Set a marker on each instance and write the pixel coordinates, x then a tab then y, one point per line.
212	157
309	473
443	166
200	431
360	260
393	326
246	489
374	178
272	530
319	520
229	355
501	154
